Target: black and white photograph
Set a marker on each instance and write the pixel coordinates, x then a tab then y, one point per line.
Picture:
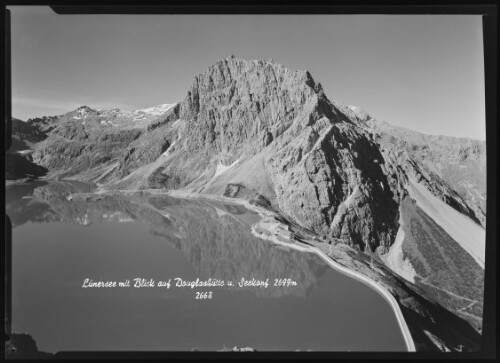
245	183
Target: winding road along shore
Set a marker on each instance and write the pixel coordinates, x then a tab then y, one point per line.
410	345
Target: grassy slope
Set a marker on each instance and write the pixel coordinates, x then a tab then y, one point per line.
470	235
445	271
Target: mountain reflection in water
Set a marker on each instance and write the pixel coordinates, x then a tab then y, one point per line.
62	234
214	236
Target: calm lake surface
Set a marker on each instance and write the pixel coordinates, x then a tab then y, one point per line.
58	243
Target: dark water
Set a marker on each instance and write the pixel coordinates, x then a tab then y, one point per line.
57	243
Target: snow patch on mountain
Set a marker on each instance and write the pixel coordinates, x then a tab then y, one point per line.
156	110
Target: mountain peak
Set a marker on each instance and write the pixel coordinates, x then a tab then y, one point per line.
259	84
241	65
84	108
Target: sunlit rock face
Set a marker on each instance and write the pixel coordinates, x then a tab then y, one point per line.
287	141
272	131
248	128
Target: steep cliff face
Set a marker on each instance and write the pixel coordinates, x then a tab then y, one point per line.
316	164
255	128
24	135
335	183
238	105
18	159
231	112
260	128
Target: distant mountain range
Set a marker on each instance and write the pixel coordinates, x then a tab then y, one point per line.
249	129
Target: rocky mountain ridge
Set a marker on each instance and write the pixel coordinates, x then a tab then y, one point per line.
257	129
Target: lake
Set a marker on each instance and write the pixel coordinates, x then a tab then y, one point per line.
58	243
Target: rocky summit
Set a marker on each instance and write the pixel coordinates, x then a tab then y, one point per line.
255	129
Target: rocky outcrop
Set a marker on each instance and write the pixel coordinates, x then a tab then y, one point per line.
23	135
23	346
332	181
21	167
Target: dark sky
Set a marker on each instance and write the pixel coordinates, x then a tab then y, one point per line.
424	72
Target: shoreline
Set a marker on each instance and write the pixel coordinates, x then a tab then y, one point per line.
263	213
410	344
